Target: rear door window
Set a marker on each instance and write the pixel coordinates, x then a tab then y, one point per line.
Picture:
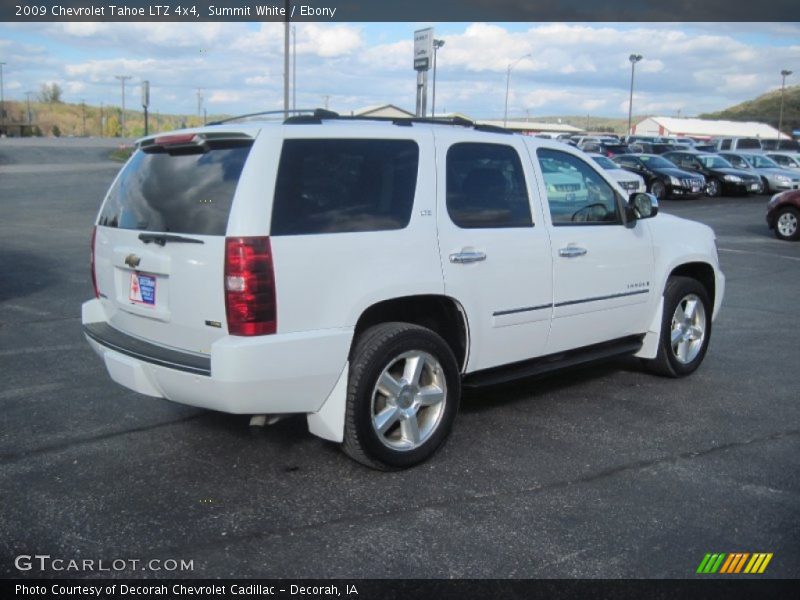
186	191
486	187
344	185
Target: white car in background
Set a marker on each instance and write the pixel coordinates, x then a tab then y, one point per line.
630	182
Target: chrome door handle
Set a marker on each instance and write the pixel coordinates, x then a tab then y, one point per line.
467	257
571	252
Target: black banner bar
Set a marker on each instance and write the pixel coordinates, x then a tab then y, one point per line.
404	589
418	11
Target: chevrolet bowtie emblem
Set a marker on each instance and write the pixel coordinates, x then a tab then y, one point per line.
132	261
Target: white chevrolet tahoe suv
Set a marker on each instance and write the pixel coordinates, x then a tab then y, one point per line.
360	272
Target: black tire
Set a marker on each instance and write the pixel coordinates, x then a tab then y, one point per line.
764	186
668	362
714	187
376	351
787	224
659	190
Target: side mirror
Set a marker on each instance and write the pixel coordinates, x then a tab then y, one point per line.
641	205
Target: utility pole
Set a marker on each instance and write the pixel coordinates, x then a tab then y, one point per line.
784	74
30	115
294	67
199	102
122	79
287	5
2	97
146	104
83	112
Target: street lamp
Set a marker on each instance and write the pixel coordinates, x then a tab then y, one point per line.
784	75
436	45
634	58
508	80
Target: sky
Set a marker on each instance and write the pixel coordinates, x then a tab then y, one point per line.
572	68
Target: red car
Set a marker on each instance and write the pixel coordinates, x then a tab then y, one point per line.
783	214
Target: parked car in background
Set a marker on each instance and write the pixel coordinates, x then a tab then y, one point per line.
721	176
737	143
783	215
788	145
629	181
604	148
662	177
705	147
774	178
787	160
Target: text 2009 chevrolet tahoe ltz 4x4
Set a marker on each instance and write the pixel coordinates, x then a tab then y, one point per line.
361	272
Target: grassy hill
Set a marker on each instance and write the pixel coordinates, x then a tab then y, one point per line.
766	109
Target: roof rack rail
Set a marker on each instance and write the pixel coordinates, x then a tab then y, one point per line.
265	112
321	114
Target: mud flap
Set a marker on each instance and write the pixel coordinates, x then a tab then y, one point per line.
328	421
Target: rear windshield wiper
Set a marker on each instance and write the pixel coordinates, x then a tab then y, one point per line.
162	238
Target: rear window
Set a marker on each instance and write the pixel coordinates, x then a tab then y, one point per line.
341	185
187	192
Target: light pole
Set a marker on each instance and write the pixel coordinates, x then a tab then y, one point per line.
634	58
508	83
436	45
122	79
784	75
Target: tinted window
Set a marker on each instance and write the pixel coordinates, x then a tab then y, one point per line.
656	162
338	186
189	192
748	144
486	187
725	145
576	193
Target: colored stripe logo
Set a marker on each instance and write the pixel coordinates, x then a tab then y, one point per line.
734	563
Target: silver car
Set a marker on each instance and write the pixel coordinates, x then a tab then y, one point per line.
786	160
775	178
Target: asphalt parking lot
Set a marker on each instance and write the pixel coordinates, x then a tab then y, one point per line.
604	472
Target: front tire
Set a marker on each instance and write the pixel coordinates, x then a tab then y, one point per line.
685	328
403	396
786	224
658	190
714	188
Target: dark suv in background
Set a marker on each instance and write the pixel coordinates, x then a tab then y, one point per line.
721	176
606	149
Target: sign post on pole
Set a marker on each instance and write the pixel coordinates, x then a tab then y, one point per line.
423	56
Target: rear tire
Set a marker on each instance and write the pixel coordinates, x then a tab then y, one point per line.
685	328
403	396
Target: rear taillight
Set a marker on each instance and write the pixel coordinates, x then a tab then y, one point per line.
250	286
91	263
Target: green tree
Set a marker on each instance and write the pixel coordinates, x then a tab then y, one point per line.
50	93
56	131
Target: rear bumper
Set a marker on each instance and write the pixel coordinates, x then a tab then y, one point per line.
273	374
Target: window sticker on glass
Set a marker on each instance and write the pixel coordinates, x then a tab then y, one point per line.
143	289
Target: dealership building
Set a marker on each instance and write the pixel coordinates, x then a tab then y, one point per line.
705	128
